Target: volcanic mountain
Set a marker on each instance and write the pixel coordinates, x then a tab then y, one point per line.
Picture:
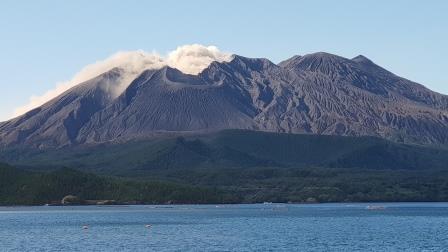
318	93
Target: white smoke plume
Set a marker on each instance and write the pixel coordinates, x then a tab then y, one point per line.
189	59
192	59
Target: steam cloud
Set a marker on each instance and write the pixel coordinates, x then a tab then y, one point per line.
190	59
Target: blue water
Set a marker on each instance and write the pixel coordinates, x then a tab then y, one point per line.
269	227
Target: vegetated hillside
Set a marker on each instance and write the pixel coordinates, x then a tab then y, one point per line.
298	150
233	149
251	185
318	93
318	184
20	187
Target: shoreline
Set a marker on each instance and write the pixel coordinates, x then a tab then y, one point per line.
230	204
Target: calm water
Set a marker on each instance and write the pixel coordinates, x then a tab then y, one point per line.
274	227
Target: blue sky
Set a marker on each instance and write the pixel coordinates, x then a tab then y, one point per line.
45	42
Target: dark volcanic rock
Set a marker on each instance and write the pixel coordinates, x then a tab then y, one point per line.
318	93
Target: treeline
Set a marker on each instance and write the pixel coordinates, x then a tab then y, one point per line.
307	185
201	186
19	187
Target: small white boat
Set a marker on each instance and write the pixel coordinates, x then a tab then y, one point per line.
85	227
375	207
148	226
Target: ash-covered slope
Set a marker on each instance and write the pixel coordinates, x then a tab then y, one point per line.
59	121
317	93
333	95
168	100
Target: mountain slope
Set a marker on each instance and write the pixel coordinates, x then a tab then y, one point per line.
318	93
167	100
338	96
233	149
59	121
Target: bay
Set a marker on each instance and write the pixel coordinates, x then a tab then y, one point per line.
256	227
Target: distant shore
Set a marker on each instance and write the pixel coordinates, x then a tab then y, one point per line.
99	203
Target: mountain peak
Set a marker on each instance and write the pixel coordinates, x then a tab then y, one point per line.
251	63
362	59
174	75
370	66
286	63
238	64
324	56
317	62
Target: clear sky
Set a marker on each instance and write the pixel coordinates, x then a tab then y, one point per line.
45	42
